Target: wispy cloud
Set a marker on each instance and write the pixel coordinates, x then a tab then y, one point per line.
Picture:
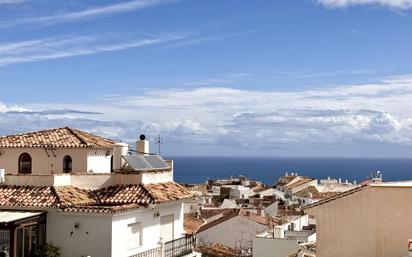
355	118
68	46
396	4
12	1
308	74
85	14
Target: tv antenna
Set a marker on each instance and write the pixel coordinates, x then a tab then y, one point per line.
159	142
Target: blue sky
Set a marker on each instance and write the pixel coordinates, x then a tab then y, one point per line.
290	78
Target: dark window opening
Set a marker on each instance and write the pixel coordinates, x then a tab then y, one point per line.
67	164
25	163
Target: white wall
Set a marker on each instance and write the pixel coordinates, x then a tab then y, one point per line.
98	161
92	238
272	247
230	231
83	160
150	227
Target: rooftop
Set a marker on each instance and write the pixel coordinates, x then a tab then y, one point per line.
216	250
313	192
109	199
56	138
192	223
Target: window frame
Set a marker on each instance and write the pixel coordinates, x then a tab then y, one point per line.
66	161
20	162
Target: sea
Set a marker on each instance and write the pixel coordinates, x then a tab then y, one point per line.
269	169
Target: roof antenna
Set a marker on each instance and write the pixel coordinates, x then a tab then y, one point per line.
158	142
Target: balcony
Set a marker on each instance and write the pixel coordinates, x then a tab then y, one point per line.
179	247
175	248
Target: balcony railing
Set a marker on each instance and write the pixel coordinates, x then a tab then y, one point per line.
180	246
156	252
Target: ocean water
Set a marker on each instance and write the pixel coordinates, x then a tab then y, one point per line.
268	169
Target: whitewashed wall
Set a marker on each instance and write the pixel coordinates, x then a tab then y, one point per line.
83	160
150	227
273	247
92	238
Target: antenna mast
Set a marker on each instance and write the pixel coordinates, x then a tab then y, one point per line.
159	141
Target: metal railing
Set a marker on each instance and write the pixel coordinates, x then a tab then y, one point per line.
155	252
180	246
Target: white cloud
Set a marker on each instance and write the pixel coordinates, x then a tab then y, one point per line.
397	4
85	14
68	46
369	117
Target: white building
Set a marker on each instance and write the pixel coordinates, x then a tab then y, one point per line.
284	239
102	201
235	230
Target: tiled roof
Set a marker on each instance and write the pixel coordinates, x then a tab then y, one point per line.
167	192
313	192
27	196
56	138
191	223
208	213
124	194
216	250
338	196
300	182
73	196
111	199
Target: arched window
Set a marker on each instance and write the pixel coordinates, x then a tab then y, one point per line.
25	163
67	164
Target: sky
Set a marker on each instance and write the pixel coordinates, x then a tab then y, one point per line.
316	78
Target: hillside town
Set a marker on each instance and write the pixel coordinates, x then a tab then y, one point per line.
74	193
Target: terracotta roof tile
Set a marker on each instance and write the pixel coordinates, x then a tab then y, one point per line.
216	250
166	192
191	223
73	196
335	197
27	196
56	138
124	194
300	182
313	192
110	199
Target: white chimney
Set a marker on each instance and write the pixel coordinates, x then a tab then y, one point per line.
142	145
119	149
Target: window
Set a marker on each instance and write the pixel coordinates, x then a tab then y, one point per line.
25	163
135	235
67	164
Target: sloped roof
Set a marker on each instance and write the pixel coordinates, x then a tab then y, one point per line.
313	192
124	194
304	180
191	223
216	250
338	196
27	196
166	192
109	199
242	213
56	138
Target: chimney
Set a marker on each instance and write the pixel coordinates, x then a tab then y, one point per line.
119	149
247	214
259	211
142	145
